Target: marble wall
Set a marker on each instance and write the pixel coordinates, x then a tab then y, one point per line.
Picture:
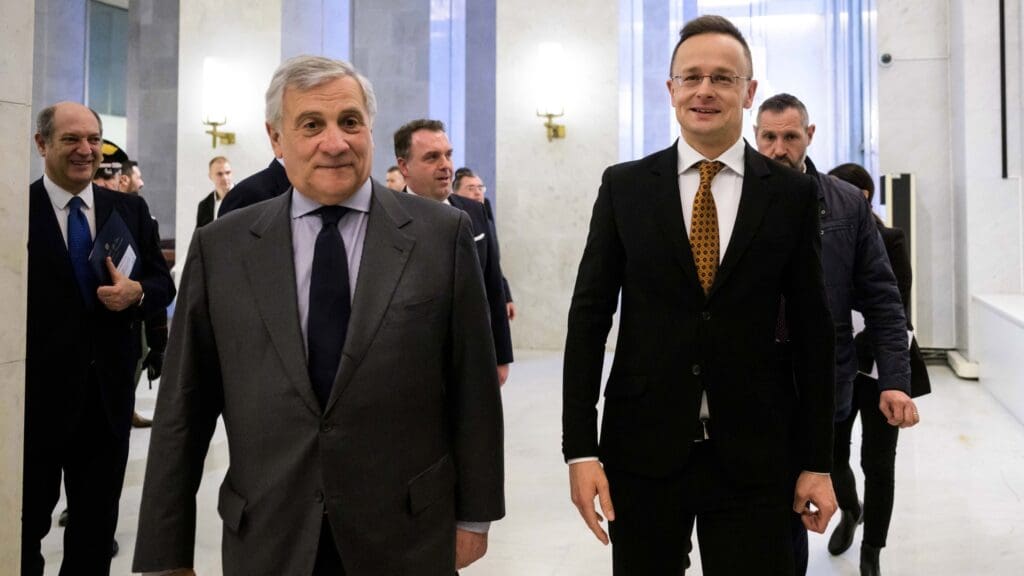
58	58
392	48
16	50
247	37
914	117
321	27
547	189
987	208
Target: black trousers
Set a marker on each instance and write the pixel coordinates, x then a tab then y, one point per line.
328	560
92	461
739	530
877	459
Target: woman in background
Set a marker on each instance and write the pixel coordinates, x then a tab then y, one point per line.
878	443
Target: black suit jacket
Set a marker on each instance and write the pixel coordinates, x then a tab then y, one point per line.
267	183
490	264
494	231
674	341
896	248
65	340
205	213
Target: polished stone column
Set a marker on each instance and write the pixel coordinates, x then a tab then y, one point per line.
16	48
59	56
153	103
391	47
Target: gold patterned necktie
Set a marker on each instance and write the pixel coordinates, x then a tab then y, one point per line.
704	225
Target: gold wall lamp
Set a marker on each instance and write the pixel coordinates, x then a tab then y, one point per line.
218	136
218	88
550	88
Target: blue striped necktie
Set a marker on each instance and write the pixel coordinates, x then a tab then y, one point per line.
79	247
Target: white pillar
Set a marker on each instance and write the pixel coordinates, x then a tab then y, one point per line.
547	189
246	36
16	45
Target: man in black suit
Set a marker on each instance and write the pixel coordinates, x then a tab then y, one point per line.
81	343
702	241
268	183
469	185
425	159
220	175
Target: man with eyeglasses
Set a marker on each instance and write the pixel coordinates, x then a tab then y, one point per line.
469	185
701	243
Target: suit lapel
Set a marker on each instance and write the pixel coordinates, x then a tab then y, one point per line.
271	271
386	250
755	198
104	206
669	210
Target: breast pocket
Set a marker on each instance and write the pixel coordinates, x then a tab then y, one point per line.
838	242
413	310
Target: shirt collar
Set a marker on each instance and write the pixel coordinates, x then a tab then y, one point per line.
413	192
733	157
360	201
60	197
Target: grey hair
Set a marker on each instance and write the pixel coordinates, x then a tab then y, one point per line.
44	122
305	72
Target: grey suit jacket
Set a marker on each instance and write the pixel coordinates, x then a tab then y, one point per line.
410	440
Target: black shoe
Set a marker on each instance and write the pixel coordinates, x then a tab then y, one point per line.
842	538
114	549
62	520
869	560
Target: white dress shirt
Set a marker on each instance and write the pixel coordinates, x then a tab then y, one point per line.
726	188
60	198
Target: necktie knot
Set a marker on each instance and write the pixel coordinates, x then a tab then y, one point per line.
330	215
709	169
76	204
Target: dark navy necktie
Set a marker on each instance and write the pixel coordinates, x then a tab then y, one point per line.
79	247
329	305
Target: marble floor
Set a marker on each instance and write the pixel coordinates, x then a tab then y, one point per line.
959	508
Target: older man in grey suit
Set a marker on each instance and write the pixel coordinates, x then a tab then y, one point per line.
341	330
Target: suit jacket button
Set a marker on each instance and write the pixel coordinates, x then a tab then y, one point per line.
705	315
327	429
696	369
319	496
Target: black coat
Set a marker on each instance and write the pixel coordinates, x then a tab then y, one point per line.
61	326
204	215
675	342
858	277
267	183
896	248
490	264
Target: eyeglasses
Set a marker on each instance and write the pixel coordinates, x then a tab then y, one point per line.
717	80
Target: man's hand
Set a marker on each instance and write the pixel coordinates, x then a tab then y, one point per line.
502	374
587	480
814	500
898	408
510	309
469	547
123	293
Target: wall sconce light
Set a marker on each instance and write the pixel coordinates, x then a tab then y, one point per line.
216	88
550	88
